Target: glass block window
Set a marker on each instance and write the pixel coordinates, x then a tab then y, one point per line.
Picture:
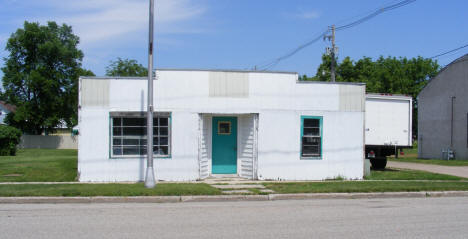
311	137
128	134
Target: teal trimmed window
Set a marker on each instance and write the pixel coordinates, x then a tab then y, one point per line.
128	134
311	137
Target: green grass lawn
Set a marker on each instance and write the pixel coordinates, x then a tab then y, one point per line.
377	186
411	156
39	165
366	186
114	189
405	174
49	165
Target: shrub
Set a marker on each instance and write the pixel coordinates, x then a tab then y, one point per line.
9	139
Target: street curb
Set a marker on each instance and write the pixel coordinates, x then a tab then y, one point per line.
227	198
223	198
303	196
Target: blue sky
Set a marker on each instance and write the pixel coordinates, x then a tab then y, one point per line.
239	34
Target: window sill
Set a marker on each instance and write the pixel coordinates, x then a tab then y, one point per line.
311	158
139	157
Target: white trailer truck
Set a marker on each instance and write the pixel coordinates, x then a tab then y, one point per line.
387	127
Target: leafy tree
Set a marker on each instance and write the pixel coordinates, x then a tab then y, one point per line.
323	71
41	75
126	67
384	75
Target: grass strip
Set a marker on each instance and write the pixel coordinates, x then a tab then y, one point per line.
138	189
406	174
411	156
39	165
366	186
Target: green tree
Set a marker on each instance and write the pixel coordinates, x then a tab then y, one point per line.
323	71
41	76
384	75
345	71
126	67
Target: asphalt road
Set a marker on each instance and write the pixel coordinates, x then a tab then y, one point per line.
328	218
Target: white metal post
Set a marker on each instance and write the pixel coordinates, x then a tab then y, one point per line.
149	178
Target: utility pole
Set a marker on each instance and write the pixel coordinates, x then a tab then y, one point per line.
332	52
149	178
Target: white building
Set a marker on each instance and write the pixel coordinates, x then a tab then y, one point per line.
4	110
257	125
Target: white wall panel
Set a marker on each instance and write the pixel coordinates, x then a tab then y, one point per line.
279	146
205	149
95	93
246	151
388	121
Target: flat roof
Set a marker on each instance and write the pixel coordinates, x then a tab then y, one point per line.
186	69
229	70
387	95
223	70
329	82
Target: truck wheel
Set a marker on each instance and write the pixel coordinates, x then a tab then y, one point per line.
379	163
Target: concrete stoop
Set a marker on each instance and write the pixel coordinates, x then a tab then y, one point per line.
238	191
239	188
229	180
236	185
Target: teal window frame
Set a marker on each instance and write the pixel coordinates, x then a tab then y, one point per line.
156	115
320	118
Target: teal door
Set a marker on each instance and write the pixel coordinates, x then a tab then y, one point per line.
224	156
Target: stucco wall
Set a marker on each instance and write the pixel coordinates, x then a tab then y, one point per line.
276	97
435	112
95	163
279	146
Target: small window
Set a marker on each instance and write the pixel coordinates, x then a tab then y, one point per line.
128	135
311	137
224	127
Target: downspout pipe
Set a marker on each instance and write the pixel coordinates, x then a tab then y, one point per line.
451	123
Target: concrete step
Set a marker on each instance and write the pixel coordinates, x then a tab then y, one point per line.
232	182
238	186
237	192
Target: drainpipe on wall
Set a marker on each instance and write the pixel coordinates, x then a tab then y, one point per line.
451	124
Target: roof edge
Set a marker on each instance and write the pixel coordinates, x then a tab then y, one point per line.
458	60
387	95
187	69
329	82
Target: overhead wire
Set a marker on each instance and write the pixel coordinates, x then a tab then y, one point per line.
447	52
276	61
379	11
374	14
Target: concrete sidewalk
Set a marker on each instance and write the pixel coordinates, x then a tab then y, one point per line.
227	198
460	171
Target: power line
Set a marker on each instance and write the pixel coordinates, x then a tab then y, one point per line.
276	61
445	53
375	13
343	27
